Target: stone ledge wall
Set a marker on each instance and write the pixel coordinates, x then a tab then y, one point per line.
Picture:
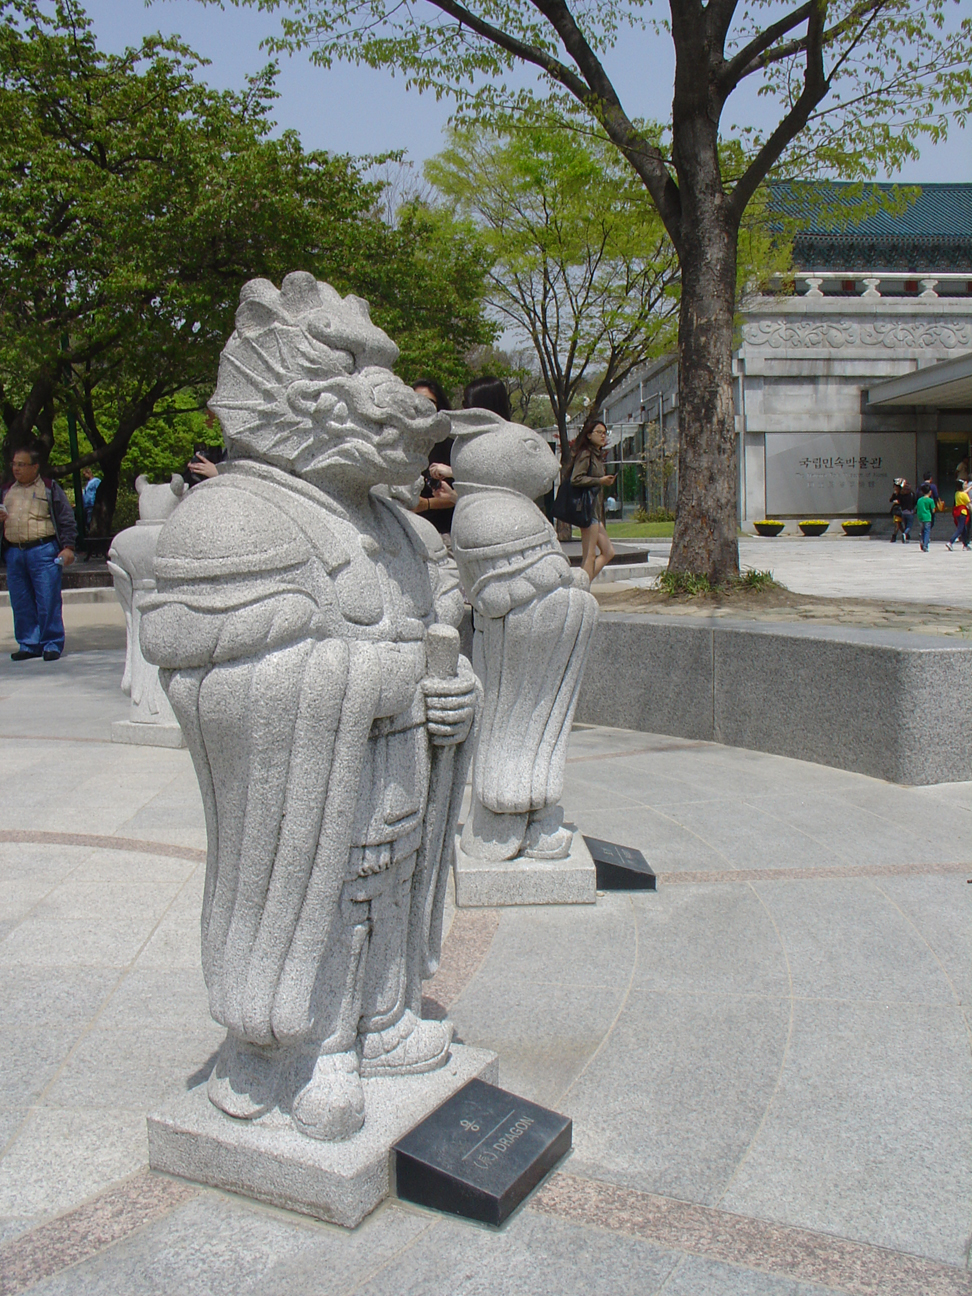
894	707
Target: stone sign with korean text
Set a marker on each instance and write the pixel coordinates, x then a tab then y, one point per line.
828	474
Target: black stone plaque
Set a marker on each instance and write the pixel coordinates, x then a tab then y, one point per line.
620	868
480	1153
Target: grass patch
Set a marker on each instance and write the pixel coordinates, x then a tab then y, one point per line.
678	584
640	530
757	581
683	584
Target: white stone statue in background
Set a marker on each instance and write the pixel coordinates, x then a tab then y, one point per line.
131	561
306	631
534	618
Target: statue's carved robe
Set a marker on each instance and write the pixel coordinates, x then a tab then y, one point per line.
292	649
533	625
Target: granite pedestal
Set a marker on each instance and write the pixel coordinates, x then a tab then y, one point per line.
523	881
270	1161
147	735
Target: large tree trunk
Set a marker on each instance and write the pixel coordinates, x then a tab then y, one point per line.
706	521
107	496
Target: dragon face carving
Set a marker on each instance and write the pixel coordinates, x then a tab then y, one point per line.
305	384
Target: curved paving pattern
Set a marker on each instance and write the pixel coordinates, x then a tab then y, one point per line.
767	1062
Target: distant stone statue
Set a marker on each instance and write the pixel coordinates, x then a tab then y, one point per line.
131	561
534	618
306	630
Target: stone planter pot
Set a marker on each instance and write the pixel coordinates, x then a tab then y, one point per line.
857	528
813	528
768	528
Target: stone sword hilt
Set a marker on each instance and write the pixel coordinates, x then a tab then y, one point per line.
442	651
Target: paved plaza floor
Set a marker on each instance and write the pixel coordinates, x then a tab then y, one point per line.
767	1062
865	568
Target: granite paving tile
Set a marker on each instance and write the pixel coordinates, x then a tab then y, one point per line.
34	999
528	1256
62	1157
676	1094
136	1068
135	868
855	835
32	862
939	907
75	899
13	1227
564	944
709	939
868	1134
851	943
544	1034
175	945
217	1244
749	833
89	1228
60	942
19	896
697	1276
666	844
163	998
751	1246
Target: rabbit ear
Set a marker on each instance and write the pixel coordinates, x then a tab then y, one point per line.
177	485
141	481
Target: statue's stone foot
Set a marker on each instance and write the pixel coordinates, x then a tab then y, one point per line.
243	1082
331	1105
546	836
410	1047
490	836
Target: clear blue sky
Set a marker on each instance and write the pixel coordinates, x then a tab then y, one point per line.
357	110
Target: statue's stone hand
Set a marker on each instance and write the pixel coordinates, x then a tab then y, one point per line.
451	705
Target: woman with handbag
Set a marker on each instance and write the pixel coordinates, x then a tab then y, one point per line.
587	476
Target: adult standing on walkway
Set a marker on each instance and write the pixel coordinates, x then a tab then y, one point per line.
903	507
39	536
588	472
960	515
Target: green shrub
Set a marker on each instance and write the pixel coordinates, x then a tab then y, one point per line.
126	509
653	515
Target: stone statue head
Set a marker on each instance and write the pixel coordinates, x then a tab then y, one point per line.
305	384
155	503
489	451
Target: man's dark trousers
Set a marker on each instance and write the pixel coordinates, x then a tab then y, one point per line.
34	583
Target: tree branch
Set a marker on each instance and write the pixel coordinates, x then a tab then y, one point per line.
815	86
734	69
802	43
718	16
644	157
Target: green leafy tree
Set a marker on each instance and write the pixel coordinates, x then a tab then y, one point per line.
858	84
134	203
583	269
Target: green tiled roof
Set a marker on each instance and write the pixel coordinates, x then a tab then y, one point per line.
938	211
934	232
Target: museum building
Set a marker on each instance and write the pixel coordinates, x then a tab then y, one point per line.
856	372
